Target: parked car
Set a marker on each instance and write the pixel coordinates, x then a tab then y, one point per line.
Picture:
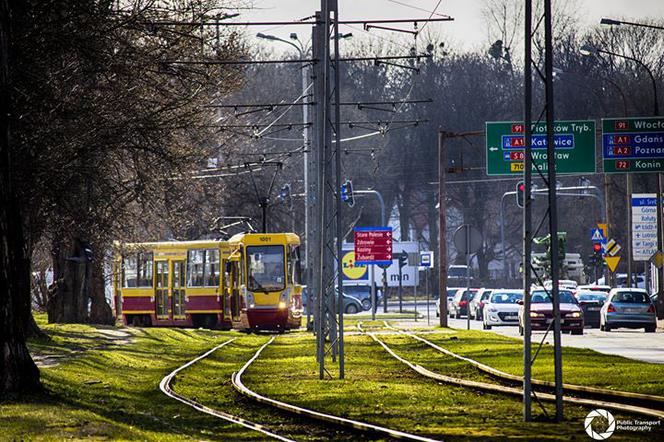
459	305
593	288
477	303
363	293
451	291
456	274
541	312
591	303
351	304
568	284
653	299
630	308
621	280
502	308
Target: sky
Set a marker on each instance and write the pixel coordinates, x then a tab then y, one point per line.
466	32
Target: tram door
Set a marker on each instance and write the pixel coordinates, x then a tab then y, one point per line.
177	290
161	290
226	287
235	290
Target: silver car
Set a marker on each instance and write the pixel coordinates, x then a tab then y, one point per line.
630	308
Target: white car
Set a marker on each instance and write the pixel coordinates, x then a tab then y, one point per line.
502	308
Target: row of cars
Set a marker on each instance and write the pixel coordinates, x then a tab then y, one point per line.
580	306
356	298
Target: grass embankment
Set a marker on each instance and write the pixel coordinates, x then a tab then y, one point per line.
580	366
381	390
105	390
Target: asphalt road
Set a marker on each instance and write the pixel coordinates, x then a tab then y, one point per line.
634	344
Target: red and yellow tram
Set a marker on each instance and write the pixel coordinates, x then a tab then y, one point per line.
250	282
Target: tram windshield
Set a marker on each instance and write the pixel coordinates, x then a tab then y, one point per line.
266	270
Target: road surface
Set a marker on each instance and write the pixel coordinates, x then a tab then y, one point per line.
633	344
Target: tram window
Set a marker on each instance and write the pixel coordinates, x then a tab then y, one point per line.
130	271
145	269
203	268
195	268
265	268
137	270
212	268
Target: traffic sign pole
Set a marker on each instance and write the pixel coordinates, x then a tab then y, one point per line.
467	277
373	291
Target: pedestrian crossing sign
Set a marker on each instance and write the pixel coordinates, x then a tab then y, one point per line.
596	235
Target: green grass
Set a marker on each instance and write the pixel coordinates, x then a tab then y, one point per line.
112	393
580	366
102	390
209	382
381	390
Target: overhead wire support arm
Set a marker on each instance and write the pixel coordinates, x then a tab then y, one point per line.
313	103
288	23
386	28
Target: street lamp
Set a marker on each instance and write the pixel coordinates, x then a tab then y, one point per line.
611	21
589	50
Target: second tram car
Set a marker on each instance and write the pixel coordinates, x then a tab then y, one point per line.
250	282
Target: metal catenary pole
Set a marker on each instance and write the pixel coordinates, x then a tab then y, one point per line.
553	206
442	225
339	203
317	241
527	215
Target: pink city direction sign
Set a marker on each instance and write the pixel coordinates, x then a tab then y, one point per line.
373	245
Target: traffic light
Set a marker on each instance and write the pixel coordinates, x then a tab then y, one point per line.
347	193
520	193
597	248
402	257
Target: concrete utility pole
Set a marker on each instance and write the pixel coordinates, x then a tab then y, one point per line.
442	245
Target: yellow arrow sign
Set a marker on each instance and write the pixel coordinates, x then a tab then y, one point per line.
612	262
604	228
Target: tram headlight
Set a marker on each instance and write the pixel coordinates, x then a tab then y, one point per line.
282	305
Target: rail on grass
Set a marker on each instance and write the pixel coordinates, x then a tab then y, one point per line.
165	387
338	420
496	388
580	389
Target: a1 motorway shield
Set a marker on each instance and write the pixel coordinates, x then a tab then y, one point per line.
574	147
633	144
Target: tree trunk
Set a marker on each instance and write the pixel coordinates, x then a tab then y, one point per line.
18	373
69	295
100	311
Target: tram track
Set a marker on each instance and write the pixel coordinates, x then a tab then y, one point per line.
611	395
317	415
508	378
165	387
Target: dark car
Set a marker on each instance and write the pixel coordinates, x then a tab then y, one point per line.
363	293
459	306
591	303
541	312
351	304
